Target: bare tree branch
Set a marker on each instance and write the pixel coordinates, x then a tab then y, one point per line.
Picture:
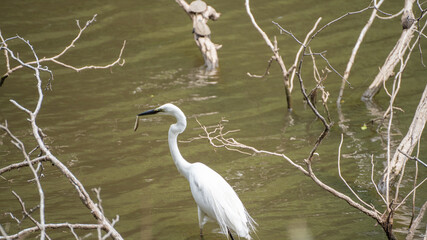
95	210
21	147
356	49
303	44
52	226
412	158
231	144
119	61
27	214
98	196
409	194
218	139
276	56
21	164
266	70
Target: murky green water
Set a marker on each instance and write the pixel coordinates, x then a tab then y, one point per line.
89	115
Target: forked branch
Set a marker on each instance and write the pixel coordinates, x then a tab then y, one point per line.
55	59
46	155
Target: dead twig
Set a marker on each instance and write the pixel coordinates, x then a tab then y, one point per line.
21	164
119	61
303	44
356	49
413	158
98	196
266	70
29	230
231	144
103	223
276	56
40	226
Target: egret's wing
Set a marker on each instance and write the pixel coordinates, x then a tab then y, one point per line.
217	199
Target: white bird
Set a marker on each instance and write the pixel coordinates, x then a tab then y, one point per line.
215	198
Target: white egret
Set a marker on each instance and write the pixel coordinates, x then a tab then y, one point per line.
215	198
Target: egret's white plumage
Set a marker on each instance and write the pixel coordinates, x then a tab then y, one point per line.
215	198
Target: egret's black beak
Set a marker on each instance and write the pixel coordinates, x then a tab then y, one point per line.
149	112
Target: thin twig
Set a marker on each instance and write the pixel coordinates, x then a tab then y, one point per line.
24	211
303	44
74	233
98	196
29	230
413	158
22	164
356	49
388	15
266	70
373	182
119	61
276	56
81	30
233	145
113	222
410	193
38	136
319	80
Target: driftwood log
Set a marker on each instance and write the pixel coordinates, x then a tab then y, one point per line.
399	50
201	31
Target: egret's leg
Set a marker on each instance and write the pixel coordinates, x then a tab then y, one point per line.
229	233
202	219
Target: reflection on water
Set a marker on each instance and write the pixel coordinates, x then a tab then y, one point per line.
195	78
89	117
298	230
201	77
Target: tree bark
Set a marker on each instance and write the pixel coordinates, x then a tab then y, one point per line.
206	46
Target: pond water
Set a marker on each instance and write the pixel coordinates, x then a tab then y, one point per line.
89	116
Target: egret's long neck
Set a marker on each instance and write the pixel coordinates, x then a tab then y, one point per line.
175	129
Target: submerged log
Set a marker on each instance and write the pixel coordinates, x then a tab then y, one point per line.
199	12
407	144
395	55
